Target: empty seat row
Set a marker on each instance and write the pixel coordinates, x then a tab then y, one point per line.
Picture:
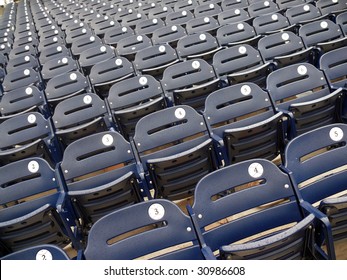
249	210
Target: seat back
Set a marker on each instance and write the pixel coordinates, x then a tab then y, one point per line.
202	24
241	63
129	46
323	34
154	60
258	8
66	85
302	14
114	35
52	53
247	199
198	45
243	118
159	224
21	63
104	75
284	48
189	82
317	167
22	100
303	90
179	18
79	116
271	23
89	57
24	136
175	149
234	15
169	34
334	66
21	78
341	19
29	199
57	66
100	174
148	26
84	43
134	98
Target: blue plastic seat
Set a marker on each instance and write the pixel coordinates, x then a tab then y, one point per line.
235	15
22	100
154	60
132	99
79	116
101	175
284	48
237	33
175	149
241	63
160	224
179	18
57	66
169	34
129	46
66	85
52	53
244	124
324	35
34	210
21	78
341	19
316	162
103	75
114	35
189	82
198	45
302	92
249	211
27	135
148	26
203	24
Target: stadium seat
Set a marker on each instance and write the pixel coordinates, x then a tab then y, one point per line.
331	7
204	24
159	225
57	66
302	92
114	35
33	208
79	116
241	63
132	99
101	175
247	200
271	23
91	56
53	52
334	66
341	19
179	18
316	162
155	59
324	35
237	33
148	26
103	75
235	15
284	48
175	149
168	35
21	78
28	135
66	85
23	100
257	8
129	46
198	45
243	123
189	82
